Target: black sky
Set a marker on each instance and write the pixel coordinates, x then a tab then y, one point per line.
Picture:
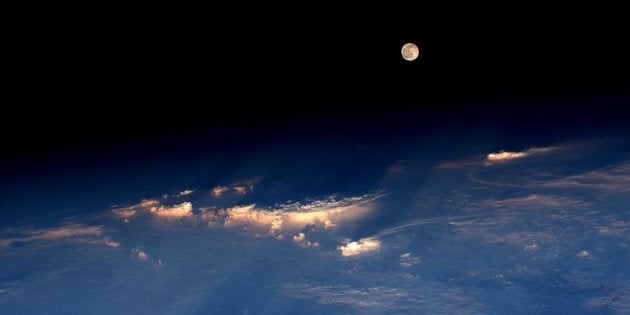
243	77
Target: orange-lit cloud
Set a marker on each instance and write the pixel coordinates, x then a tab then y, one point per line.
360	247
130	211
240	188
504	156
155	207
326	214
219	191
177	211
75	231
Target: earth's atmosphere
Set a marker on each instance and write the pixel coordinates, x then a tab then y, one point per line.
433	225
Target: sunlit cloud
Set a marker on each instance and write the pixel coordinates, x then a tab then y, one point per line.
301	240
501	157
360	247
130	211
75	231
155	207
177	211
326	214
240	188
219	191
504	156
185	192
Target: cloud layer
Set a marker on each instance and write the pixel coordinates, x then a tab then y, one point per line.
360	247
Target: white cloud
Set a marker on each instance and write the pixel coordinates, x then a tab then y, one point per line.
300	239
584	254
111	243
139	254
360	247
531	247
504	156
408	260
185	192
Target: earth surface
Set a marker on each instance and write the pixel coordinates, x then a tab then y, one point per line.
442	223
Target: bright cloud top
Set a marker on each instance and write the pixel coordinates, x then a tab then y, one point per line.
323	213
504	156
177	211
155	207
360	247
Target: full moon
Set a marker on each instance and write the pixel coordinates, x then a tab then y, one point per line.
410	51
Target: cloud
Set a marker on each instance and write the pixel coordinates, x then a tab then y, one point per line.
531	247
618	301
500	157
111	243
365	299
240	188
139	254
219	191
412	297
612	179
75	231
360	247
155	207
616	227
533	201
408	260
458	164
398	167
130	211
185	193
584	254
181	210
504	156
300	239
327	213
